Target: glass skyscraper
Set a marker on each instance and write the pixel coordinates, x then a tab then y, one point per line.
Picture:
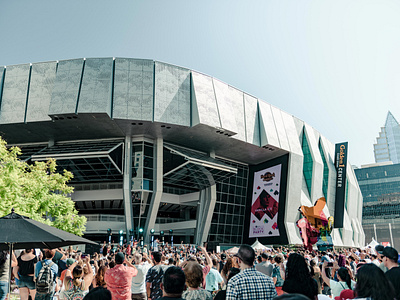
387	147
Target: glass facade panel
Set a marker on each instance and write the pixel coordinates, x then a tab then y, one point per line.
227	222
142	166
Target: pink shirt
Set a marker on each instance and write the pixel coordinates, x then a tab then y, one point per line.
119	280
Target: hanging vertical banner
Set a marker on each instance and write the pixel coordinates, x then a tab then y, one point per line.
265	203
340	198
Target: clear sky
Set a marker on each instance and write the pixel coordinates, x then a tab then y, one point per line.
334	64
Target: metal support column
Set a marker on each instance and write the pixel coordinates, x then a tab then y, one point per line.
207	200
158	189
127	194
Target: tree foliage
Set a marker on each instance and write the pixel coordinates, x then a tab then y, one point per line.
37	191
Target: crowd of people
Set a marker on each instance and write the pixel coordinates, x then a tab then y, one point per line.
191	273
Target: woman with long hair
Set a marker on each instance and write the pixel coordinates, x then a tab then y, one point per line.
98	280
372	283
344	280
75	286
230	263
25	272
298	279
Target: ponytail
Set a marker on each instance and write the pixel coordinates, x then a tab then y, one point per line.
345	276
76	274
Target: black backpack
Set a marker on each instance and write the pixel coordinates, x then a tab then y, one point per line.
45	280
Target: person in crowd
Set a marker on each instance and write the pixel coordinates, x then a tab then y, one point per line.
343	276
48	255
265	266
98	293
119	278
298	279
194	280
221	295
76	287
154	277
379	251
213	278
291	297
25	273
316	274
249	283
139	281
70	263
230	263
390	260
173	284
4	272
372	284
278	273
221	262
98	279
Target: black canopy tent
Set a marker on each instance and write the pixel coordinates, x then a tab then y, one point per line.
20	232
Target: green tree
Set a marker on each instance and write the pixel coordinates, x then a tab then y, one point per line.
37	191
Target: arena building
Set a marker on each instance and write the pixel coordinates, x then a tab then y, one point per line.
157	146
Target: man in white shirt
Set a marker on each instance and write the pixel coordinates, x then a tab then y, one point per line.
138	286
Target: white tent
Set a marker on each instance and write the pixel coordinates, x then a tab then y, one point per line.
371	246
233	250
258	246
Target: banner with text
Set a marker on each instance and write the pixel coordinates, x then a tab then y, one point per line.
265	202
340	198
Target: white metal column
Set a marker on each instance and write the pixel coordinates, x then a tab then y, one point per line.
207	200
158	189
127	185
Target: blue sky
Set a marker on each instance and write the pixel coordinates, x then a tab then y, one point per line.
333	64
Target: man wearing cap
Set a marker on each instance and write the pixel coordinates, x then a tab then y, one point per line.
249	283
265	266
119	278
70	263
379	251
390	259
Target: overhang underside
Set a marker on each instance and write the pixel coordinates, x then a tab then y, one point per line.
197	170
100	160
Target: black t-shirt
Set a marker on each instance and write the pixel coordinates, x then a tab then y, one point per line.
57	256
26	267
221	295
393	275
308	287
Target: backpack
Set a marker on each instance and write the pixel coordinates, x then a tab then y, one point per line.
45	280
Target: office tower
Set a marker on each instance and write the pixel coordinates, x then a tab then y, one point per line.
387	147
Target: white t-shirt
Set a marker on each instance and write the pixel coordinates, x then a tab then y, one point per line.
139	281
338	286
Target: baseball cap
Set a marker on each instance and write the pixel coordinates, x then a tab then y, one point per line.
379	248
119	258
345	294
390	253
70	262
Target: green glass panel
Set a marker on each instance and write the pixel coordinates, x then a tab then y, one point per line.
326	173
307	163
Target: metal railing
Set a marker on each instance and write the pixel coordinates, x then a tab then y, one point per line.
105	218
